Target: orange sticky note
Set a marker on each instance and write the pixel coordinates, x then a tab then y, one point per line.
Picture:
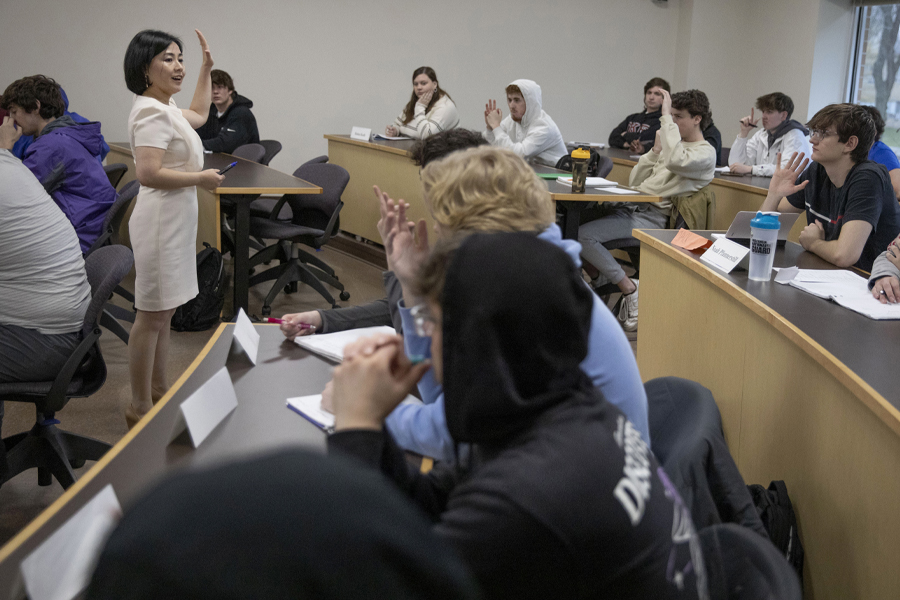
690	241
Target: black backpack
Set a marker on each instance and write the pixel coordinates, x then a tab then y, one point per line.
565	163
202	312
777	514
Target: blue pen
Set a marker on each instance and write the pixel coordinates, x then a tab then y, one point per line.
223	171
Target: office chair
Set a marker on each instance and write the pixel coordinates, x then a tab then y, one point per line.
741	565
263	207
315	219
272	148
51	450
115	172
251	152
598	166
254	152
109	235
687	439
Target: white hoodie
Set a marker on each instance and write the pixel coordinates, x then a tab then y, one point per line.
536	135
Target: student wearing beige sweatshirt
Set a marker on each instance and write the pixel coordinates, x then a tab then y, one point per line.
681	162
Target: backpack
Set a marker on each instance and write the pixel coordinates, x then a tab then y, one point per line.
565	163
202	312
777	514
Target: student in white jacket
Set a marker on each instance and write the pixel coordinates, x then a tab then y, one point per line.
528	131
681	162
779	134
429	111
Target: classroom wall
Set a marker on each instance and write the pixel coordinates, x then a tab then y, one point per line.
313	68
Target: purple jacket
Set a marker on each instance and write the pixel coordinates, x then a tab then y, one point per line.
63	160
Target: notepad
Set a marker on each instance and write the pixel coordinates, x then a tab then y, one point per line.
310	408
617	190
331	345
845	288
590	181
395	138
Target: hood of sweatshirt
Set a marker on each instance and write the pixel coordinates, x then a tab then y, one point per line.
86	134
238	101
785	127
531	92
516	316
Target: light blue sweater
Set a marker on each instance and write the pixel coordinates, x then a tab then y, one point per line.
610	364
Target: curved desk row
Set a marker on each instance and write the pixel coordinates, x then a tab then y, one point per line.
808	394
260	423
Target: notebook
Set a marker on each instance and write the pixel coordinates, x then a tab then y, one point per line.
331	345
589	181
843	287
310	408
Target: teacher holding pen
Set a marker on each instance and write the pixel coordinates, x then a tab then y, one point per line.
168	158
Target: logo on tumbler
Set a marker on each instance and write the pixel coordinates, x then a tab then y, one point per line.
760	247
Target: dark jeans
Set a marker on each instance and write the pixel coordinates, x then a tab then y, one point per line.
29	355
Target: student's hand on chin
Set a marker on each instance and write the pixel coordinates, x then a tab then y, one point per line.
425	98
9	133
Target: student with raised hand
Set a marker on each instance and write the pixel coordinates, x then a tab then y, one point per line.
63	155
638	131
680	162
779	134
559	496
430	110
230	124
168	158
882	153
528	131
851	211
489	190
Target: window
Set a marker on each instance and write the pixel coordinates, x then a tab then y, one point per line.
876	66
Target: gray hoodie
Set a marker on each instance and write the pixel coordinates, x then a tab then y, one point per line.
536	136
882	267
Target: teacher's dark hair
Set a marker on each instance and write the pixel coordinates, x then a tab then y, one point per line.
143	47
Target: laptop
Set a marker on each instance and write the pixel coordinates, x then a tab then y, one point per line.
740	228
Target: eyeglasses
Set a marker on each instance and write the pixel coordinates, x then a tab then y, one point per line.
423	320
820	134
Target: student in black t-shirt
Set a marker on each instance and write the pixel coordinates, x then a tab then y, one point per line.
638	131
851	212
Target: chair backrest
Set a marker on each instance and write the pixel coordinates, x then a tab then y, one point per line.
106	267
316	161
742	565
332	179
115	172
724	155
605	166
254	152
117	211
272	147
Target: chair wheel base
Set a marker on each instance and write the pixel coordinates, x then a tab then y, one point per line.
345	296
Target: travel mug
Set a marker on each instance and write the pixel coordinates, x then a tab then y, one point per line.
580	158
763	239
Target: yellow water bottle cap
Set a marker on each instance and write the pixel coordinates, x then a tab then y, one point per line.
581	153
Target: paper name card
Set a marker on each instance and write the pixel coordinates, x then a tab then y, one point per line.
724	255
360	133
690	241
206	408
246	336
61	567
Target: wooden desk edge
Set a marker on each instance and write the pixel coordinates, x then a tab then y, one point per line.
343	140
744	187
858	387
39	521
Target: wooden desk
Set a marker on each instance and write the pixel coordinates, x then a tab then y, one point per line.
243	184
808	394
261	423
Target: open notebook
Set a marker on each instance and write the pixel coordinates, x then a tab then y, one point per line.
843	287
310	408
331	345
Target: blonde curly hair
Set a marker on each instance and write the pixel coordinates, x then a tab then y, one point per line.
487	189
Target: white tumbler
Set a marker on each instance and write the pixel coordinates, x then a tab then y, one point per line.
763	240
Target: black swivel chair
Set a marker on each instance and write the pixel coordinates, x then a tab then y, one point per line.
51	450
741	565
115	172
251	152
272	148
109	235
254	152
315	219
263	207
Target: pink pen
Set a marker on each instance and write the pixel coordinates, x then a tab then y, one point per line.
279	321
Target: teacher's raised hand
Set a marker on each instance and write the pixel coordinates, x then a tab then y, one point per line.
204	47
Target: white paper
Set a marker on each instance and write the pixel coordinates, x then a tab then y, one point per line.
723	170
331	345
61	567
617	190
724	254
867	305
207	407
717	236
785	275
600	145
379	136
589	181
246	336
310	408
360	133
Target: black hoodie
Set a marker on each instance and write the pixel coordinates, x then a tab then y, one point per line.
639	126
562	498
236	127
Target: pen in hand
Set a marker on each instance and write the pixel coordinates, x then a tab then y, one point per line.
279	321
228	168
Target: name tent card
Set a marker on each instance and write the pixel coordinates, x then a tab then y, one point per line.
246	336
61	567
724	254
360	133
206	408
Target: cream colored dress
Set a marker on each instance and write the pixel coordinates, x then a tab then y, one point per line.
163	226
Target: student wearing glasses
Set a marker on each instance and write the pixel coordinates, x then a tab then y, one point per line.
851	211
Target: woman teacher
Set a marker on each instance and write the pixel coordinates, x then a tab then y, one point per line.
430	110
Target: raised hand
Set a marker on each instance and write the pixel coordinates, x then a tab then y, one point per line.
207	55
492	115
748	123
784	180
666	107
406	245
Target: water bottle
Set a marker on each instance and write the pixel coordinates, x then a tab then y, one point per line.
580	159
763	240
